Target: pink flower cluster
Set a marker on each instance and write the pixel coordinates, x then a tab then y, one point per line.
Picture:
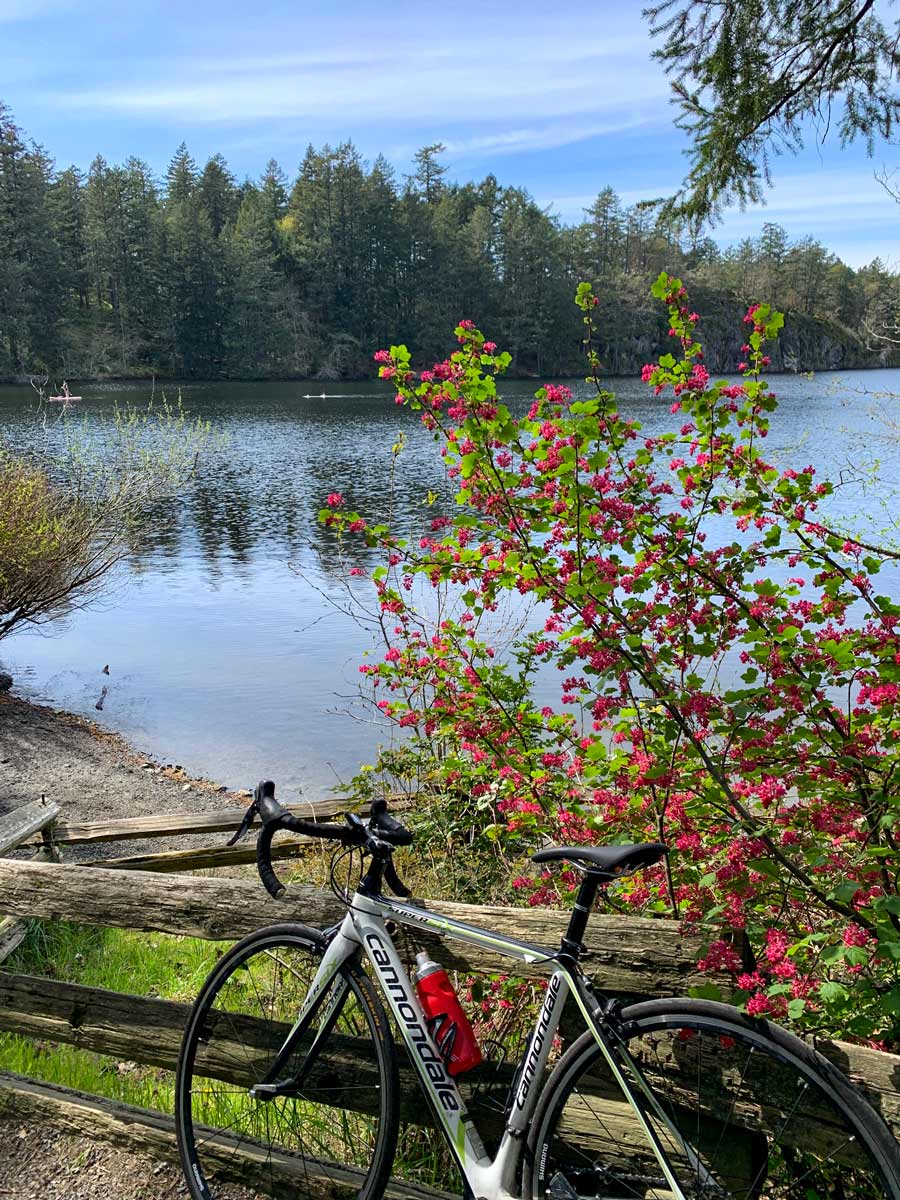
662	558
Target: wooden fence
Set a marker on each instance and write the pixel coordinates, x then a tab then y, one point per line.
626	955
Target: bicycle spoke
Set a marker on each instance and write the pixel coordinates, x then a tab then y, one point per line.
609	1132
237	1039
217	1132
256	994
269	1149
218	1091
669	1122
699	1086
725	1126
737	1117
764	1167
795	1182
317	1125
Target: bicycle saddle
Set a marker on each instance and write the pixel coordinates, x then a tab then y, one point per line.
608	861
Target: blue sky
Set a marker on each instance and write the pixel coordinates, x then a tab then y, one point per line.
560	98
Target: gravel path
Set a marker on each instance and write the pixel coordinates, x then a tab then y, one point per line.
93	775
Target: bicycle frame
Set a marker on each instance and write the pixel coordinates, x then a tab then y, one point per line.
363	929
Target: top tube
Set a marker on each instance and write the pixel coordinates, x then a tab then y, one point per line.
461	931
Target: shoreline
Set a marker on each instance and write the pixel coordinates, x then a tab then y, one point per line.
24	381
94	774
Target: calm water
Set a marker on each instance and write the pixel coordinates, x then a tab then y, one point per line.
228	644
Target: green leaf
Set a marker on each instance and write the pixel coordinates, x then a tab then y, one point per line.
833	953
705	991
845	892
833	992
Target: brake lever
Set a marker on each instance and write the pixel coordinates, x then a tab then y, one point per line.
251	812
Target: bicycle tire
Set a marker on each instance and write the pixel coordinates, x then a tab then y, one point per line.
333	1133
777	1120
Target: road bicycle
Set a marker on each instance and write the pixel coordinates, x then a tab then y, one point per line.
290	1082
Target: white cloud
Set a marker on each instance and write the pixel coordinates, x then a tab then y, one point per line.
460	81
847	210
844	208
516	141
860	253
823	193
324	59
819	189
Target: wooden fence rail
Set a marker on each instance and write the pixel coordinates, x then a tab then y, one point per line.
167	825
206	858
148	1030
633	955
150	1132
626	955
16	827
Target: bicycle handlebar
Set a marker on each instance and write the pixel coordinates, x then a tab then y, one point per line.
379	836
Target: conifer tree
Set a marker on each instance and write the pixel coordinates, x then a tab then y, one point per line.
113	272
749	79
218	194
181	176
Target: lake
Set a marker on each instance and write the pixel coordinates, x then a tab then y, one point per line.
229	644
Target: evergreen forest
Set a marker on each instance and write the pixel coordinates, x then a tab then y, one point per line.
115	273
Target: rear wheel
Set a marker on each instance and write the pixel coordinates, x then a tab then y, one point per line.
743	1111
331	1127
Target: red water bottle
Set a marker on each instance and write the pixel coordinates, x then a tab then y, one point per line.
447	1023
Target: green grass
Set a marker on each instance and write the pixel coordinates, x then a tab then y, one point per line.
170	967
119	960
149	1087
173	968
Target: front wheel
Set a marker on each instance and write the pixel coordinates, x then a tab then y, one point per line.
328	1124
742	1110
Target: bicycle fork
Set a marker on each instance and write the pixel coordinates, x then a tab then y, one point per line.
328	988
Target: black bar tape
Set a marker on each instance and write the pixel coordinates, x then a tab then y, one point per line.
311	828
264	861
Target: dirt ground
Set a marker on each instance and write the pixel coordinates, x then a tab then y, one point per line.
44	1164
92	775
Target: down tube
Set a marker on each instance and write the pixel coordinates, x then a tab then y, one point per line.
438	1084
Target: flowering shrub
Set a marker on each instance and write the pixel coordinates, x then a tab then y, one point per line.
729	672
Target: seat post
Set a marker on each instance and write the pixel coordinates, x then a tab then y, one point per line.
584	902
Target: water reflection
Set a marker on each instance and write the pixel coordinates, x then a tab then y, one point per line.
260	494
224	658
